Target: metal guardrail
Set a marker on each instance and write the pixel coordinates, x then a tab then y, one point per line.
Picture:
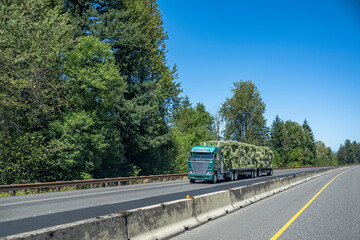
99	183
92	183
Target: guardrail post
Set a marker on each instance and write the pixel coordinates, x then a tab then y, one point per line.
12	193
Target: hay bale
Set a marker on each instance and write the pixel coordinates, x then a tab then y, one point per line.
242	155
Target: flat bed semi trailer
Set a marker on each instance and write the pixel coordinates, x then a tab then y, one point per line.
209	163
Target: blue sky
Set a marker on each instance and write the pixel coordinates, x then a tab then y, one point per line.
304	57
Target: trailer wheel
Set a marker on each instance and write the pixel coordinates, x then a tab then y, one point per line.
254	174
259	172
270	173
192	180
215	178
232	177
236	175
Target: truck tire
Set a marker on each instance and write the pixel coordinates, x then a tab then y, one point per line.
253	174
192	180
215	179
270	172
259	172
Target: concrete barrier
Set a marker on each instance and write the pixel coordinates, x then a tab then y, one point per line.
213	205
162	220
103	228
243	196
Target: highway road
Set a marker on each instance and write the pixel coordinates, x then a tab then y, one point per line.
30	212
332	214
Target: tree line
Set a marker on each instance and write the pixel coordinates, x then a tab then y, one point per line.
294	145
86	92
349	152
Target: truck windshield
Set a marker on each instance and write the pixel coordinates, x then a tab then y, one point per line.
202	156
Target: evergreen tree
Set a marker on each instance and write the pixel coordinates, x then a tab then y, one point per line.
134	30
309	144
243	114
292	144
348	153
356	147
277	141
34	36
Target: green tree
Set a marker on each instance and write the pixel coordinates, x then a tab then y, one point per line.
294	153
190	125
34	35
87	139
324	155
348	153
277	140
356	147
134	30
243	114
309	144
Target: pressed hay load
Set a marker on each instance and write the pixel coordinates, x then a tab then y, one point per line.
242	155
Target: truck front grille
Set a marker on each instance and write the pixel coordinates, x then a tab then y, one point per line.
199	167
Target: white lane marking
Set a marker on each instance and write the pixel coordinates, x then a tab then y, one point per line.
81	195
127	200
104	193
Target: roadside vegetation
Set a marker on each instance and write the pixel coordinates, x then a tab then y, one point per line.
86	92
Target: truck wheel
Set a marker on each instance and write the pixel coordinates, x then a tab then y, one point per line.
215	179
270	172
253	174
192	180
232	176
259	173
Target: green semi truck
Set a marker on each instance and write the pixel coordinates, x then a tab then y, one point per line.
216	160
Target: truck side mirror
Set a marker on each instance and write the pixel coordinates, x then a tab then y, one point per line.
188	155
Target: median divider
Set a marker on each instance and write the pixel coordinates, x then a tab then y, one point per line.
165	220
107	227
243	196
162	220
213	205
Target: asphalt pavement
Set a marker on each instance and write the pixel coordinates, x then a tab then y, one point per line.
333	214
20	214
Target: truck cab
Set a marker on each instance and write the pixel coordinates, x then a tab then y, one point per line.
205	163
